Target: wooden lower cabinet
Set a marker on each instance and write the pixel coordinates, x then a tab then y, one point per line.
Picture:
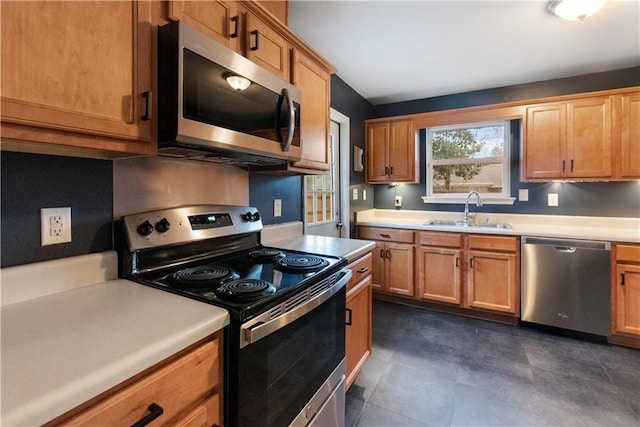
393	259
471	271
187	388
625	295
358	329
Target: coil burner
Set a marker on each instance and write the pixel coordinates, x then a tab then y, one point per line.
245	289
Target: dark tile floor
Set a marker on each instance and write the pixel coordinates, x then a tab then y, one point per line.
430	368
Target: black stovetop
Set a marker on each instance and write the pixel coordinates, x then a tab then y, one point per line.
276	276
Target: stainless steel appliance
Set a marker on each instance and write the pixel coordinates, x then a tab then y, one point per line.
566	284
285	345
215	105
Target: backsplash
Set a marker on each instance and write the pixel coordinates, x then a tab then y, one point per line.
31	182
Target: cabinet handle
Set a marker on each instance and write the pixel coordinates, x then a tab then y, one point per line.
457	262
256	34
381	253
571	165
391	170
363	270
154	412
471	263
563	165
386	236
350	317
387	254
386	170
235	20
622	279
148	100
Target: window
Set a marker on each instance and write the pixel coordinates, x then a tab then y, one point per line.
466	158
320	193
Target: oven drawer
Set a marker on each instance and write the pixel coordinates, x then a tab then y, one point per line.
176	388
360	269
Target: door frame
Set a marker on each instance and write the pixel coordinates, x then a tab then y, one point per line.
344	162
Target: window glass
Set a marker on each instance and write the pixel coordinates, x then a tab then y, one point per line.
467	158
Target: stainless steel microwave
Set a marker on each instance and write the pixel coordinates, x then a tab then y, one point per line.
215	105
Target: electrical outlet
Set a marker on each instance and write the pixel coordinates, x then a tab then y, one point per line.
354	194
398	202
523	195
552	199
277	207
55	226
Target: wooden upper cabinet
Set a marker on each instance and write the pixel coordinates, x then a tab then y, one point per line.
315	84
377	137
266	47
569	140
72	69
628	149
391	152
219	20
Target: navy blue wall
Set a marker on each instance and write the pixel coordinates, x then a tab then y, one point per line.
263	188
617	199
31	182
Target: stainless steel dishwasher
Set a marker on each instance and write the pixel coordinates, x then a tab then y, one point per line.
566	284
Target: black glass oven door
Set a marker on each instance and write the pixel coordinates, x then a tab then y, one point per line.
280	373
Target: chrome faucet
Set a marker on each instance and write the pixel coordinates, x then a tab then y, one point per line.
465	218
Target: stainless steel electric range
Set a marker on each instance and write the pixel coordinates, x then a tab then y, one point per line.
285	345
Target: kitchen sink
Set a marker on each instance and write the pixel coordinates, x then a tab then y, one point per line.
462	224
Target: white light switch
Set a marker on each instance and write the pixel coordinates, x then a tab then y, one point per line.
364	194
277	207
355	194
523	195
398	202
552	199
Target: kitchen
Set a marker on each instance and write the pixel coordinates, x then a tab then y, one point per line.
102	190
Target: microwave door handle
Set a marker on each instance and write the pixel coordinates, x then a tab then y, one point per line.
292	120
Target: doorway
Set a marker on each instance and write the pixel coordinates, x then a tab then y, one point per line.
326	201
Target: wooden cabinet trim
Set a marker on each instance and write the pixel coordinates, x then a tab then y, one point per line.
386	234
493	243
629	253
432	238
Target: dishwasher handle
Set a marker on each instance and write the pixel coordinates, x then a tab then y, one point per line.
565	249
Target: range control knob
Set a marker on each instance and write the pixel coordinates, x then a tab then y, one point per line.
255	216
163	226
145	228
247	216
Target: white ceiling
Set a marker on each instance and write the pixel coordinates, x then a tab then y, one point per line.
392	51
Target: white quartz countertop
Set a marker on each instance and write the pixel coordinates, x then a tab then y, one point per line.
62	349
569	227
321	245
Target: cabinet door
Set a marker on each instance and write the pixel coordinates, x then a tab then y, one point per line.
589	138
492	281
315	85
402	152
440	274
629	155
217	19
626	308
358	333
266	47
399	268
77	66
545	144
377	137
379	266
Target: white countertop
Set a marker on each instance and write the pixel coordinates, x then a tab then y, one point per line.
321	245
63	348
569	227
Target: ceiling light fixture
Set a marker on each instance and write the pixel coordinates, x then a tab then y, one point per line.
575	10
237	82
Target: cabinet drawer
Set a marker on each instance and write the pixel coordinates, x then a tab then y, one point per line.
360	269
174	387
493	243
428	238
386	234
628	253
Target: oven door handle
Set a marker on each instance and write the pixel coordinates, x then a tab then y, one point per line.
256	329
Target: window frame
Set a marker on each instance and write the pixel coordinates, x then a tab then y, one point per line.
503	198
